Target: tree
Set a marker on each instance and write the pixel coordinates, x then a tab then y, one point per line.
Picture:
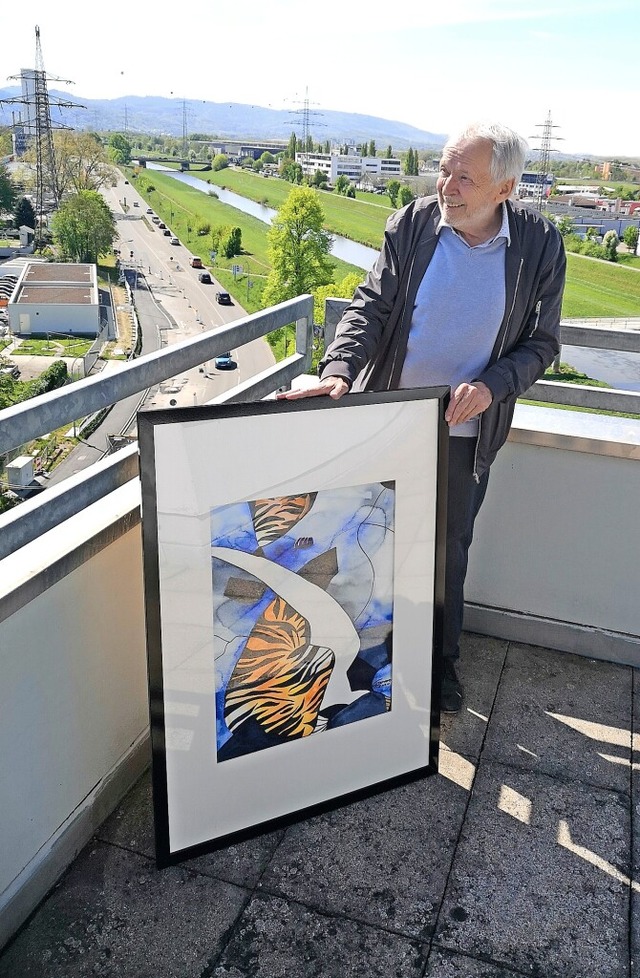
119	148
83	227
334	290
610	243
564	225
630	237
292	147
7	190
405	196
298	248
389	152
411	163
291	171
81	162
341	184
372	148
24	213
319	179
6	147
393	188
220	161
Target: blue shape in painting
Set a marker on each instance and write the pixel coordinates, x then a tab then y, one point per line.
265	648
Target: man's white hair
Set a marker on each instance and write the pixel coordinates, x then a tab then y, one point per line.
509	149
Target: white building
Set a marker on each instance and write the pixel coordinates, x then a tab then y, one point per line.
529	184
352	165
54	297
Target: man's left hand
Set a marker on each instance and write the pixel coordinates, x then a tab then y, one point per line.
468	401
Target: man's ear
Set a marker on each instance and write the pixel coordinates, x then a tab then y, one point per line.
506	189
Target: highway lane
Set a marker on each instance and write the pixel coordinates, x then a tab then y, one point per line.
172	305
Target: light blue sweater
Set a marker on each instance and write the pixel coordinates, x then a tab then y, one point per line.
459	307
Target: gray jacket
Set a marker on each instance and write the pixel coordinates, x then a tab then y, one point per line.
371	338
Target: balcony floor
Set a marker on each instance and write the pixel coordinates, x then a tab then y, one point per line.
516	859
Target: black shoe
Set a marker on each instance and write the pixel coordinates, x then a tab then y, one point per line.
451	692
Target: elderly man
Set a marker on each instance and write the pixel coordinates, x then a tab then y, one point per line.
466	292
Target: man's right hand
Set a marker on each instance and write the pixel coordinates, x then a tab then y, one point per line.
334	387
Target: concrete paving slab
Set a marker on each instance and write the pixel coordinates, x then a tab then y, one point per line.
278	939
563	715
131	827
114	915
383	861
479	669
540	878
444	964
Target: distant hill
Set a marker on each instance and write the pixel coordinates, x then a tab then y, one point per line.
164	116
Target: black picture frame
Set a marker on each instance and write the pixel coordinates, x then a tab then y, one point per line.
345	497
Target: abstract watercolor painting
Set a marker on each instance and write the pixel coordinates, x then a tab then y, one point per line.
303	614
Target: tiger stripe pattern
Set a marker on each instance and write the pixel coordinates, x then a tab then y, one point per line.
280	677
272	518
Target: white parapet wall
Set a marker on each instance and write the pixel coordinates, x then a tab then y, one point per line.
554	561
73	693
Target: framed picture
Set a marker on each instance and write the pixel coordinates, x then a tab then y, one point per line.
294	574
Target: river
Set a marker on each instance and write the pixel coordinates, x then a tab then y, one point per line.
349	251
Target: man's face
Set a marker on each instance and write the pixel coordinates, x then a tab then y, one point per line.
469	197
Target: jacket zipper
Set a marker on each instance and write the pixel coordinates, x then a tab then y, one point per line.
504	337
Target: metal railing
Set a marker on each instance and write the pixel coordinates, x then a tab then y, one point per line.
24	422
30	419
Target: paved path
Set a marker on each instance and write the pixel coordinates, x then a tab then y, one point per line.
517	859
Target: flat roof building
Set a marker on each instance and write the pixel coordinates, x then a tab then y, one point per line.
55	297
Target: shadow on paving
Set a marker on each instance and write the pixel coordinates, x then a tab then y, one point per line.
515	859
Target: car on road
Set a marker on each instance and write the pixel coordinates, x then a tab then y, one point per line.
224	362
162	225
136	204
195	261
223	298
155	220
167	233
175	241
205	278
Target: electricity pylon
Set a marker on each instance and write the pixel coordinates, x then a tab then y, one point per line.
38	126
545	149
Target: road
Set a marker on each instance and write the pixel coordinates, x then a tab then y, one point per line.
172	305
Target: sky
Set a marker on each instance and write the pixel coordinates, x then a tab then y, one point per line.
434	66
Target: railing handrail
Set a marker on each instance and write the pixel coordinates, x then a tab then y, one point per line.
30	419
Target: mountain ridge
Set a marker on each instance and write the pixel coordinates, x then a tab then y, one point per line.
156	115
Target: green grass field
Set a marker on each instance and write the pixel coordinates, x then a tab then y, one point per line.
594	289
600	289
59	347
